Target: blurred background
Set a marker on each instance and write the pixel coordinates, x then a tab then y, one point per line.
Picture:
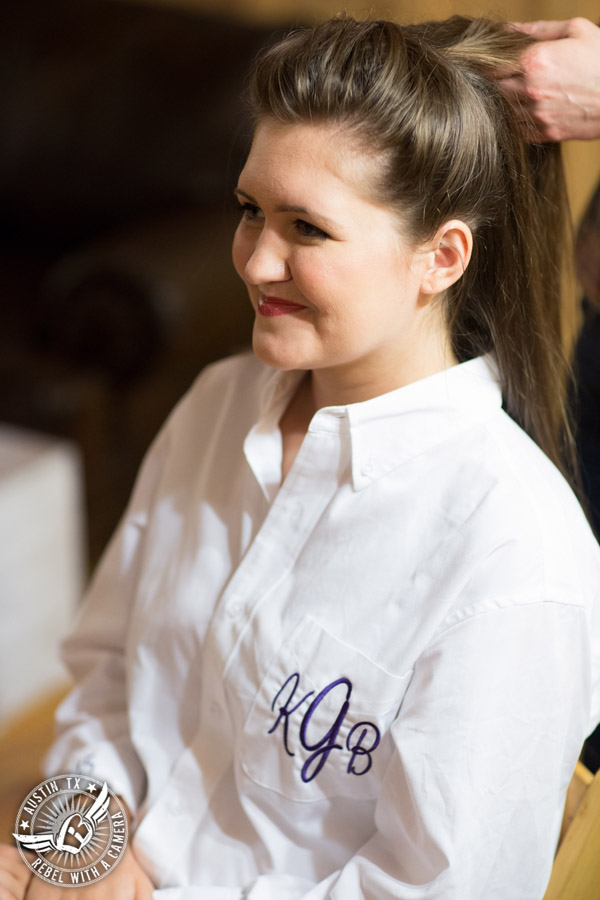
121	136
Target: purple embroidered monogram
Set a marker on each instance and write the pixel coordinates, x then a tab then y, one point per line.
321	748
284	711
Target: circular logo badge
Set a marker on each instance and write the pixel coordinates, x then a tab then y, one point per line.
75	826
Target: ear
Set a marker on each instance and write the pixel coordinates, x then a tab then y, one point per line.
448	256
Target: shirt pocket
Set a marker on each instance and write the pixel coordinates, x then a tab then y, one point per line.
319	725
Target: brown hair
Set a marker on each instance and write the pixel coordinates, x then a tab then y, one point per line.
426	98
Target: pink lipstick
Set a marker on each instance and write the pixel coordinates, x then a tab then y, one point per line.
275	306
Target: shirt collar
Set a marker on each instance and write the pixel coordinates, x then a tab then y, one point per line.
388	430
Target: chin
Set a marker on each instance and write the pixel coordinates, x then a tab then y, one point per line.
277	353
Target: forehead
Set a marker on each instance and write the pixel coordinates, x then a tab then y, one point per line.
323	161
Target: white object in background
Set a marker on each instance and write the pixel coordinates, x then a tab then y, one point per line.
42	561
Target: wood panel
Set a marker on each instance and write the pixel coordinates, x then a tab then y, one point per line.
23	743
576	870
288	10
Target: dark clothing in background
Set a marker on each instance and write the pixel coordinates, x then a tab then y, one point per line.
587	363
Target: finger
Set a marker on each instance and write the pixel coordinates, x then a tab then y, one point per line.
545	30
21	875
41	890
514	91
12	885
513	88
532	134
531	131
13	880
8	852
10	861
144	888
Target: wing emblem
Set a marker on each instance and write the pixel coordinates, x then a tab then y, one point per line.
74	832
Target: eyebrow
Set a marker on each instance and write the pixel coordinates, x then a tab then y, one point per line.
329	223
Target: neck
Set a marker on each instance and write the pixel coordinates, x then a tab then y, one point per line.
354	384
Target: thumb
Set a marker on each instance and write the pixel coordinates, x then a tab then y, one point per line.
545	30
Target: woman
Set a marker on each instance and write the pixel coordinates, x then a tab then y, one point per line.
345	641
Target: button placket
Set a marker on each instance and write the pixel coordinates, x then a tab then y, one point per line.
278	543
168	819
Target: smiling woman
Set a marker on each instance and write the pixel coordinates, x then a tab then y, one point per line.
357	296
345	641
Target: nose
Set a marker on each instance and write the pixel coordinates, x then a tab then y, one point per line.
267	259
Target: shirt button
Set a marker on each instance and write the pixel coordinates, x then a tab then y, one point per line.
176	806
235	610
86	765
368	468
215	708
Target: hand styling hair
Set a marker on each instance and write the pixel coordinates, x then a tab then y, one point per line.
424	100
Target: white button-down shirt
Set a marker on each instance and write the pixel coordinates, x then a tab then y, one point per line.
372	681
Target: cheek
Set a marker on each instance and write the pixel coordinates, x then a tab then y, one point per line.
321	276
241	251
342	284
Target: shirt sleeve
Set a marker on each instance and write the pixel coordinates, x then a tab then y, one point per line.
93	731
485	745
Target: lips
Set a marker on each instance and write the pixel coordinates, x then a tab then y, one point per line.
276	306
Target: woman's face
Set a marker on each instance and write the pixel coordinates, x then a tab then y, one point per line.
335	287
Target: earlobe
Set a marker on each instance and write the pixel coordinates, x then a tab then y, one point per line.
448	257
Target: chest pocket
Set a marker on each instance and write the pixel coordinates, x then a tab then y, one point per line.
319	725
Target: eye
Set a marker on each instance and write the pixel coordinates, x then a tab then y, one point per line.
249	211
309	231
